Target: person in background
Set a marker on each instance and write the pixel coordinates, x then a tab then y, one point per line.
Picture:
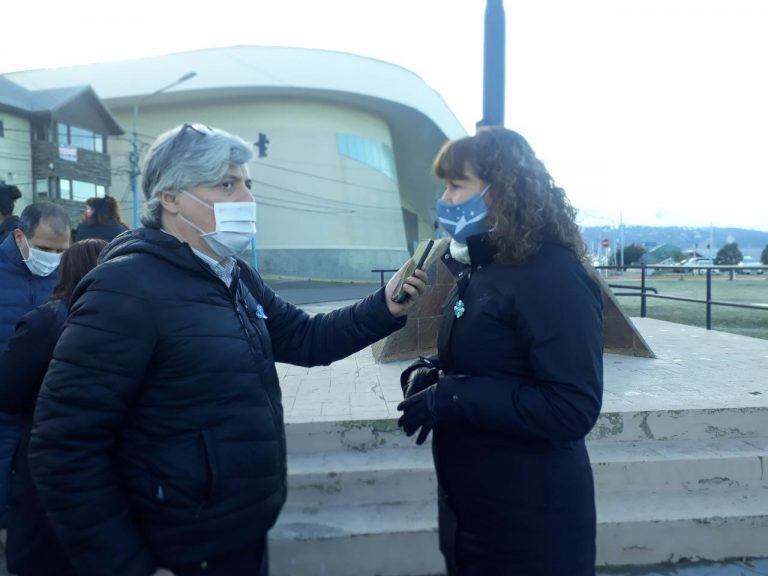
8	222
32	548
102	220
158	441
29	257
518	380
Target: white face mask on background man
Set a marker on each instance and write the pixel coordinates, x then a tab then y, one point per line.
235	226
41	263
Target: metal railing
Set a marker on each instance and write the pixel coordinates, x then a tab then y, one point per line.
383	271
643	289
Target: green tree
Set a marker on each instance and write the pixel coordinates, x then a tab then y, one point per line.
764	256
632	255
729	255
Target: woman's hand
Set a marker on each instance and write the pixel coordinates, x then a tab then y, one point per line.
414	286
419	379
419	413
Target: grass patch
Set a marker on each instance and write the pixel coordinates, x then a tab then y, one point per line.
741	290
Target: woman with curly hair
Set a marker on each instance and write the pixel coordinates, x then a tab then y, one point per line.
517	383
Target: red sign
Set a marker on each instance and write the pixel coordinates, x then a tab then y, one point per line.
605	243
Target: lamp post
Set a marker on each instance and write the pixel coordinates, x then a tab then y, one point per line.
134	157
493	64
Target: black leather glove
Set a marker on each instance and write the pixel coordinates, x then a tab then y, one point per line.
419	379
418	412
422	373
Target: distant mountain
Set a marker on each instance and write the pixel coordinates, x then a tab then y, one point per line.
750	241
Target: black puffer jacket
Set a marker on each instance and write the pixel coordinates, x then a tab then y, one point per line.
158	437
31	547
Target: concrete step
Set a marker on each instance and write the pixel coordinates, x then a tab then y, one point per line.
369	539
395	475
662	425
684	465
385	475
633	529
646	528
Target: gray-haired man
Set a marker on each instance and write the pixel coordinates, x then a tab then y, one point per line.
158	439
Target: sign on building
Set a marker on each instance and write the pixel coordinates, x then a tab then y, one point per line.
68	153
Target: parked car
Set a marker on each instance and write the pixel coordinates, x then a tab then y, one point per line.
695	262
750	266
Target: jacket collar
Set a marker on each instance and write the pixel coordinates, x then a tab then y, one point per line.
10	224
481	249
9	252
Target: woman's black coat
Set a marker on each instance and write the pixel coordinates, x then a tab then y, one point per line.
31	547
158	435
107	232
522	387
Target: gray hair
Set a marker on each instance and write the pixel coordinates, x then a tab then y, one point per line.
187	156
53	214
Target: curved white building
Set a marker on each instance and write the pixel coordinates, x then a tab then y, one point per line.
346	185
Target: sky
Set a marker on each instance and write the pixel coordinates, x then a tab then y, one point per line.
654	111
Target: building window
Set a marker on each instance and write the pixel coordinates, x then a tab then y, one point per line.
42	190
65	189
81	191
63	131
40	131
80	138
373	153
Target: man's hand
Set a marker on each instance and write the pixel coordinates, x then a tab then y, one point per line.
414	286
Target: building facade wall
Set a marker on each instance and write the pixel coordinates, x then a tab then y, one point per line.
16	156
321	212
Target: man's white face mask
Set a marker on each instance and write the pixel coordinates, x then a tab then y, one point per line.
41	263
235	226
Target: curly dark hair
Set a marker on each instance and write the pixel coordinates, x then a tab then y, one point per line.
526	207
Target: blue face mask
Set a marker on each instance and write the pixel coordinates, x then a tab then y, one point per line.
464	219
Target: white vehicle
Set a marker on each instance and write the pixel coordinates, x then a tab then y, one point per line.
693	262
748	265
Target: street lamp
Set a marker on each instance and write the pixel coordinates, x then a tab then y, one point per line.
134	158
493	64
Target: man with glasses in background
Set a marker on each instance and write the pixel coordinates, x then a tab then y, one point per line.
159	442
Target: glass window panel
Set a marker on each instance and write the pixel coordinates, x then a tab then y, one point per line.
375	154
81	191
65	189
378	157
81	138
343	144
41	185
98	143
100	191
63	136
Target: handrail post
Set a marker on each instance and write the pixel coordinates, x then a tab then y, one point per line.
709	298
643	299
